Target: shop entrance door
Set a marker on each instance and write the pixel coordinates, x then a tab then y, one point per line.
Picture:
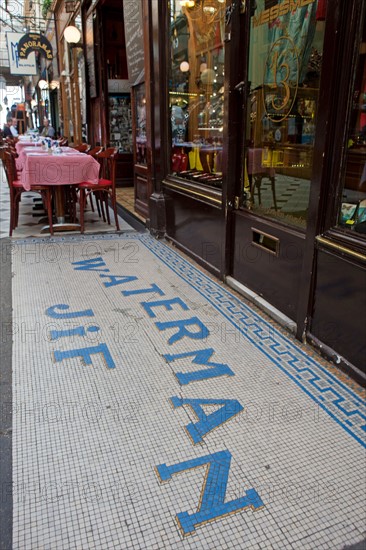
142	169
269	227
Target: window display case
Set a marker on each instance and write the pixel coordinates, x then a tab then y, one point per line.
352	210
196	92
140	118
120	122
286	143
120	136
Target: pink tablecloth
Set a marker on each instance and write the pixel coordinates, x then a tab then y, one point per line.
64	169
19	146
20	161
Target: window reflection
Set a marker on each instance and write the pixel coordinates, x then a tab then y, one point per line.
140	117
196	89
285	59
352	213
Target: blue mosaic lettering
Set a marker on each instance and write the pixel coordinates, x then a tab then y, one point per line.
197	431
153	288
211	504
164	303
78	331
201	357
86	354
90	265
52	313
118	279
202	333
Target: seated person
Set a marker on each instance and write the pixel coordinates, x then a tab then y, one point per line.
10	128
47	130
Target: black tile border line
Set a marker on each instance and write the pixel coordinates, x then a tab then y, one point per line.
6	498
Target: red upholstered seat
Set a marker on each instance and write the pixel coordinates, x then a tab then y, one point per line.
104	190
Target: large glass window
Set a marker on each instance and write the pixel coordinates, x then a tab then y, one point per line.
285	58
196	89
140	118
352	213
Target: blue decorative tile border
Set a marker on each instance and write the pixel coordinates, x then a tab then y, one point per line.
342	404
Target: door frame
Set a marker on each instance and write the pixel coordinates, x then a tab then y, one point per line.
322	163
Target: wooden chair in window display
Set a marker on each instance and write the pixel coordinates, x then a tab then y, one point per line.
259	163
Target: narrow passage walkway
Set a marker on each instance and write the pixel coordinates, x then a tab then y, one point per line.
154	409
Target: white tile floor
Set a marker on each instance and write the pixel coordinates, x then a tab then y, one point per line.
88	440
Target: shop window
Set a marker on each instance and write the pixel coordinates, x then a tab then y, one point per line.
352	214
196	89
285	60
140	118
120	122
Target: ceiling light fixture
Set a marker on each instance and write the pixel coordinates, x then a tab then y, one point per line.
184	66
43	84
72	35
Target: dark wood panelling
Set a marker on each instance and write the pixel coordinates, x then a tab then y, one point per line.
197	227
124	169
275	278
339	316
142	195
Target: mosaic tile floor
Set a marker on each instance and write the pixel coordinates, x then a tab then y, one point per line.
32	220
126	198
152	409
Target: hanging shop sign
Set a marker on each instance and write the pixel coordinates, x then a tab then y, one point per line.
16	65
34	42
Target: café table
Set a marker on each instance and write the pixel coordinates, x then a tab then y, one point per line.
24	151
20	145
69	168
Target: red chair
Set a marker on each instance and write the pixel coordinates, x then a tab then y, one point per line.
11	140
82	148
94	152
105	189
16	189
71	192
12	150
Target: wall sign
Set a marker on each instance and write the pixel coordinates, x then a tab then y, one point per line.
34	42
134	41
17	65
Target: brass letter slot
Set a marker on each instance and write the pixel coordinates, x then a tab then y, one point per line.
266	242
